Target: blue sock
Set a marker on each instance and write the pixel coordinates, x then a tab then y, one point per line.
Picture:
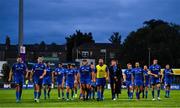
98	94
137	95
67	95
44	93
35	95
131	95
146	94
168	93
153	93
158	93
17	95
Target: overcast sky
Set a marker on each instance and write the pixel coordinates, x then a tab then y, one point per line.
53	20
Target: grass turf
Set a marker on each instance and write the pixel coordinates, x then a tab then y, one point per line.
7	99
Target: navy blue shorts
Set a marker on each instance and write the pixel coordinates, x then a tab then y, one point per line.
70	85
19	80
47	81
155	81
138	82
100	81
85	81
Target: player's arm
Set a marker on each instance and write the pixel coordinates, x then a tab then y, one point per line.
31	74
124	77
132	78
75	76
44	73
26	71
172	73
10	75
107	73
162	75
150	73
53	76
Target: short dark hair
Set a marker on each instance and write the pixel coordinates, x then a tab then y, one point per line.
84	60
113	59
18	56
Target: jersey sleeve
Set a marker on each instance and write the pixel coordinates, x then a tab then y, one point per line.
13	67
107	69
150	68
33	68
25	67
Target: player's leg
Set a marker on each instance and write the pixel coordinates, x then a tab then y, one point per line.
168	90
87	91
36	92
44	88
72	90
49	88
17	92
98	89
75	89
131	89
83	90
158	85
153	84
128	89
67	92
146	91
81	94
20	89
103	83
137	92
62	90
59	88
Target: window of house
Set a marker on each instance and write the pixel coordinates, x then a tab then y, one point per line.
85	53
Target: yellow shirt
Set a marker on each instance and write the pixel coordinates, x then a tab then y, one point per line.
101	71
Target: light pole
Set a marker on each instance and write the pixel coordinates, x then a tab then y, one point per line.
21	35
149	56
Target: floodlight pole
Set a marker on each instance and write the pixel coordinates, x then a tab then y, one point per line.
20	34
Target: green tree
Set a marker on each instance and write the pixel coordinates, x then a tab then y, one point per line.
115	38
75	40
8	42
161	37
42	46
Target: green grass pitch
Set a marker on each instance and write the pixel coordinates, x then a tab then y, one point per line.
7	99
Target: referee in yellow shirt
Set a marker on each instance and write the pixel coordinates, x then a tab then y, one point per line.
101	71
